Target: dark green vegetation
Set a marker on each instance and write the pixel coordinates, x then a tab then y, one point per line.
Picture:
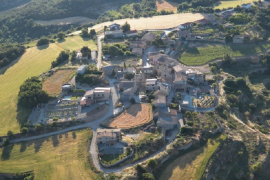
31	93
91	77
8	53
63	56
116	49
196	5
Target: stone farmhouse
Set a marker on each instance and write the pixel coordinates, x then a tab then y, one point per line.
108	136
100	94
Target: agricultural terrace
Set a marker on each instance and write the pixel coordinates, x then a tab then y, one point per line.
231	4
33	62
155	22
166	5
53	85
136	115
59	157
192	164
204	54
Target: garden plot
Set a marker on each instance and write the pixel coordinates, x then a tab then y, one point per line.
61	113
204	102
53	85
136	115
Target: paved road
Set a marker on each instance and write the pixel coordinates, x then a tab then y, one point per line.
99	59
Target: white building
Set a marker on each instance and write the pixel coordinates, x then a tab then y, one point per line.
81	69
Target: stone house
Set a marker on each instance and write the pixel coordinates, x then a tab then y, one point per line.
99	94
138	44
137	51
127	89
109	69
149	37
151	84
108	136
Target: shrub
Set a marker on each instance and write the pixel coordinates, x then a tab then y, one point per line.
132	101
148	176
186	130
10	134
252	107
190	123
55	119
188	114
38	127
24	130
140	169
152	163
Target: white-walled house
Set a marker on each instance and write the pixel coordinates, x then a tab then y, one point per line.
81	69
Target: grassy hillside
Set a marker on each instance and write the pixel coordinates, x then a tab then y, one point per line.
58	157
35	61
202	55
192	164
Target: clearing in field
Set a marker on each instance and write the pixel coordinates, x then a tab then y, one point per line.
202	55
136	115
192	165
166	5
231	4
59	157
53	85
33	62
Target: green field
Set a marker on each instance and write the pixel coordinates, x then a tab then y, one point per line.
58	157
228	4
192	164
202	55
34	61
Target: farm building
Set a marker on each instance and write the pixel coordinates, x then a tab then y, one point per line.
109	69
99	94
114	34
149	37
66	87
151	84
137	44
108	136
114	27
132	33
168	118
238	39
81	69
137	51
246	6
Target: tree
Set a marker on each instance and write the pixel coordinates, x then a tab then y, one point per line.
125	66
252	107
38	127
113	73
129	150
188	114
129	76
214	86
24	130
126	27
61	35
86	51
10	134
93	32
132	101
43	41
148	176
140	169
152	163
85	32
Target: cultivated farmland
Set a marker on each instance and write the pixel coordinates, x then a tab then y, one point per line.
59	157
33	62
202	55
166	5
136	115
192	164
155	22
53	85
228	4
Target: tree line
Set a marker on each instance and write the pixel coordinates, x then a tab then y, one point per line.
9	53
